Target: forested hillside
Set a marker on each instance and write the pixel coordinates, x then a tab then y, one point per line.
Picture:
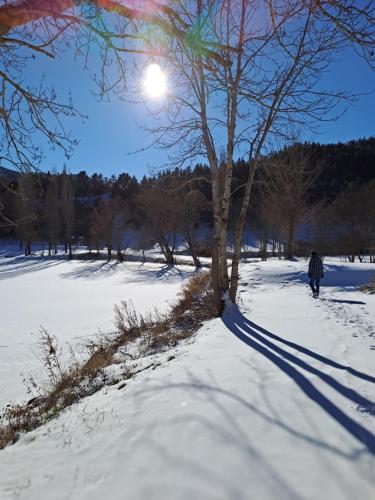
300	193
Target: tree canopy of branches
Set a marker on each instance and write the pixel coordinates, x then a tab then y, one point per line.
32	114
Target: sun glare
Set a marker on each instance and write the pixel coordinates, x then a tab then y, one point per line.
155	82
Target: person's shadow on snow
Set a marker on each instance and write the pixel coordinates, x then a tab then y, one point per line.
258	338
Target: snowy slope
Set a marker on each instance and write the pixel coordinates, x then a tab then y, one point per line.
273	402
72	300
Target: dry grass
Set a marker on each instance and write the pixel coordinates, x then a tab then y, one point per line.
197	301
66	385
370	287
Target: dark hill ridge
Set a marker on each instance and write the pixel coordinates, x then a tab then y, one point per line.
8	174
341	165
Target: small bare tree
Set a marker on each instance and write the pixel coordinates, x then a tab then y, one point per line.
162	218
26	211
288	180
52	214
194	202
353	217
119	224
67	211
103	219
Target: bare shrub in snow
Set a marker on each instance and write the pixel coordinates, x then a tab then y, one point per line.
370	287
67	384
197	300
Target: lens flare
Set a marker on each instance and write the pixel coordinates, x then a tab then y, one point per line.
155	82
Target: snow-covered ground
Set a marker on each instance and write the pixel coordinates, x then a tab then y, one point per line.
72	300
274	401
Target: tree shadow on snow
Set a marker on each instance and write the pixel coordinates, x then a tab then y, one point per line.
220	417
92	270
257	338
152	273
226	430
169	269
348	301
18	266
145	272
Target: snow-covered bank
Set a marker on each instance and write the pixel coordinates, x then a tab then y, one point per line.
275	401
73	300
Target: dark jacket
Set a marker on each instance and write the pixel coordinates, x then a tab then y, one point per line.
316	267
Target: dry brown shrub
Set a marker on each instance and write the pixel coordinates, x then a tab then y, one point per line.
66	385
197	301
370	287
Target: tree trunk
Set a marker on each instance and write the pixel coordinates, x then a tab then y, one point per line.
192	248
263	247
273	247
70	251
196	261
239	233
290	242
167	252
120	256
213	162
109	252
169	258
231	130
279	249
215	273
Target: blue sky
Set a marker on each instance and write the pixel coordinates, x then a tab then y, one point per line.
112	131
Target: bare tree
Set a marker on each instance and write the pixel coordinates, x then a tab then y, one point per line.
162	218
32	116
26	211
119	223
36	29
104	225
354	221
287	182
271	82
67	211
193	203
52	214
268	227
144	240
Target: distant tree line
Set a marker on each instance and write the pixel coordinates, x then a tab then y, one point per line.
306	195
317	196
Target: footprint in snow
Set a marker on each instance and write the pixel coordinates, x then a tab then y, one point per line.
369	409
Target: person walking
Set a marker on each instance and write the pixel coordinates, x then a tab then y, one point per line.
315	272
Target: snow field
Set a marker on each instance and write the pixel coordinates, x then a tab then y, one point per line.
72	300
274	401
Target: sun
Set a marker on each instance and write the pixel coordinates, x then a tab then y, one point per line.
155	81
